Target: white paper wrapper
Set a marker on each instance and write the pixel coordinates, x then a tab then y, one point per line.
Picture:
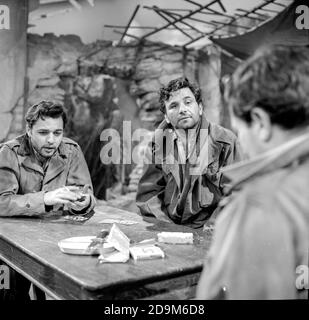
146	252
176	237
120	243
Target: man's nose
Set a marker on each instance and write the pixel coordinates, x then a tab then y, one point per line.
51	138
182	108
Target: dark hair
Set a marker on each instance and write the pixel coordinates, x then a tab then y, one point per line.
45	109
177	84
275	79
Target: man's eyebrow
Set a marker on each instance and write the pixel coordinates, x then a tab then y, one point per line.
172	103
47	130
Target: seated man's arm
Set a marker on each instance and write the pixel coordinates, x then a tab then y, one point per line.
79	176
151	190
11	203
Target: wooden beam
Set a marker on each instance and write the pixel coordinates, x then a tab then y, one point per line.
183	22
127	35
140	27
178	20
173	23
128	25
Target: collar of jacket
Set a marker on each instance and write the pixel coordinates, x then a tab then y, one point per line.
56	163
208	150
25	148
289	153
214	146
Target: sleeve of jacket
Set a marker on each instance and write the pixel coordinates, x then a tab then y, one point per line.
79	176
12	203
151	189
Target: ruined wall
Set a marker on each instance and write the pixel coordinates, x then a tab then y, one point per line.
13	23
149	65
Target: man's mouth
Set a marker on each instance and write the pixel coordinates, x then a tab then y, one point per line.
49	149
184	118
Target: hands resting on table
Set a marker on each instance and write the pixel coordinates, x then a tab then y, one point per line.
72	196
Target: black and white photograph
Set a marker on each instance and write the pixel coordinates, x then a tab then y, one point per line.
154	151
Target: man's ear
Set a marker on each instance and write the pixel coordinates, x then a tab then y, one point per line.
261	123
28	131
200	106
166	118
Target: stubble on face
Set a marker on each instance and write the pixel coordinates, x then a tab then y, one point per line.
46	136
182	109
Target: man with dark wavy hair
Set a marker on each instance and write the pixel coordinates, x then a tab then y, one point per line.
42	171
181	182
262	235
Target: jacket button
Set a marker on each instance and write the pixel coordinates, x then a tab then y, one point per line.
28	205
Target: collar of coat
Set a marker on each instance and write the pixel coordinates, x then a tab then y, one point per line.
289	153
211	140
56	163
26	150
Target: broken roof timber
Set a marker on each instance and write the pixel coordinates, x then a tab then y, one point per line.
179	19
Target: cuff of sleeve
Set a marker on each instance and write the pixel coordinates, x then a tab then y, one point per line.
34	203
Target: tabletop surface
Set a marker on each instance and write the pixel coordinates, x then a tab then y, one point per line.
38	239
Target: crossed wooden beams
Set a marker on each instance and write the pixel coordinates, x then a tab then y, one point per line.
181	19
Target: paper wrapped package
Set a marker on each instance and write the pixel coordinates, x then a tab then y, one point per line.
146	252
118	247
176	237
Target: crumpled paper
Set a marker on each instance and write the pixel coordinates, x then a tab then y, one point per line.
118	247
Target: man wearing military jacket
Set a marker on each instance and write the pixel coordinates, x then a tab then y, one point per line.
181	182
41	171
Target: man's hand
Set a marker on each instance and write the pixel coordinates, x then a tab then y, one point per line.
64	195
80	204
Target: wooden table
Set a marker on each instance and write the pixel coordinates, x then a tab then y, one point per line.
29	245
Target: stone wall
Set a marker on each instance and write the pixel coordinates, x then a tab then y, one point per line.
12	64
149	65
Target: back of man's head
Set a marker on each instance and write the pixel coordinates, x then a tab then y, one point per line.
275	79
45	109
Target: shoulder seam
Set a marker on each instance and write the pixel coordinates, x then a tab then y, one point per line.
69	141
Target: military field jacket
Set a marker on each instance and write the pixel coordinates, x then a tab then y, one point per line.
261	242
23	181
185	194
